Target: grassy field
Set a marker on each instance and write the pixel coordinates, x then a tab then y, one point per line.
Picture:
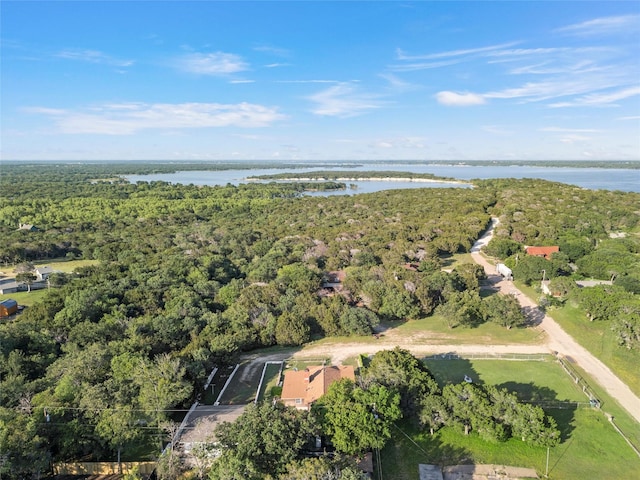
543	380
30	298
25	298
598	338
590	447
437	331
66	266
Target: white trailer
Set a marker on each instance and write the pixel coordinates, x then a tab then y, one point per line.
505	271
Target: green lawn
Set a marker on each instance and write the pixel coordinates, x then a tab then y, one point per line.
62	265
30	298
25	298
590	446
271	379
531	380
598	338
452	261
487	333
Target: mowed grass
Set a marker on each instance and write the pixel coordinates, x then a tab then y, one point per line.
66	266
271	380
25	298
487	333
590	447
600	340
31	298
531	380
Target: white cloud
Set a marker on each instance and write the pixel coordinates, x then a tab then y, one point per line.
453	53
242	81
92	56
568	130
571	139
397	83
497	130
343	100
604	26
308	81
411	67
129	118
600	99
459	99
277	65
277	51
547	68
216	64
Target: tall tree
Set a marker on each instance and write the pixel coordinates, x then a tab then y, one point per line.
263	440
358	419
162	385
400	370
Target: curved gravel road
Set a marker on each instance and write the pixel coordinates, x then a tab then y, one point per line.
557	339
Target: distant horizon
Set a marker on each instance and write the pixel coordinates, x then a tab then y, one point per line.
317	161
320	81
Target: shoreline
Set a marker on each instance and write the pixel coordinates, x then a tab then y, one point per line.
358	179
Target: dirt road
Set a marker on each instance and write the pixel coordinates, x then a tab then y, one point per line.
342	351
557	339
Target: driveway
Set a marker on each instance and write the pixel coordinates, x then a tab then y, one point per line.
557	339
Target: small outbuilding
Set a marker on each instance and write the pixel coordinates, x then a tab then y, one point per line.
42	273
8	307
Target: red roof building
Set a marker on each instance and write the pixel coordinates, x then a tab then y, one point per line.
545	252
303	387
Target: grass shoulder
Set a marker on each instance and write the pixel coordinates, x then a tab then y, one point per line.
600	340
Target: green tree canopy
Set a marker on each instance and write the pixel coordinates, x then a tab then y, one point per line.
358	419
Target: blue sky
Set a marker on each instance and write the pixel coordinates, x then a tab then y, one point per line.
304	80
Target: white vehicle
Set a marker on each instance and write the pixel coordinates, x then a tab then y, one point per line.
505	271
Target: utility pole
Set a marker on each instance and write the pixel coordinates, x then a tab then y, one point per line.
546	472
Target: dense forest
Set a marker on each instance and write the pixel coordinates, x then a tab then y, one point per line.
189	277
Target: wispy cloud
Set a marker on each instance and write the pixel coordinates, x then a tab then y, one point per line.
601	99
411	67
92	56
573	138
619	24
455	99
545	52
277	51
453	53
497	130
399	143
568	130
548	68
242	81
277	65
309	81
397	83
441	59
129	118
215	64
343	100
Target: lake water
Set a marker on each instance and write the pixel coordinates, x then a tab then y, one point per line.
592	178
